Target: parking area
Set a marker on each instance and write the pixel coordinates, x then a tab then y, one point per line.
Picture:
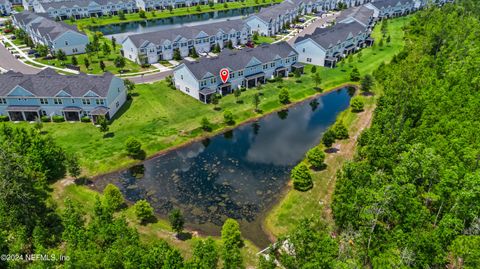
9	62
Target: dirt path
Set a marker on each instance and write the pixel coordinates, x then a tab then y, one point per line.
346	150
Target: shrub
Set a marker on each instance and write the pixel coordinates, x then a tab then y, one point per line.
315	157
284	96
133	146
3	118
314	69
228	117
85	119
112	196
340	131
143	211
205	124
328	138
58	118
355	74
302	178
357	105
45	119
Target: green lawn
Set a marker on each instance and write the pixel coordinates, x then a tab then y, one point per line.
87	22
162	118
296	205
264	39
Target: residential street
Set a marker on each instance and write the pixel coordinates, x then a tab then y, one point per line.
8	62
150	78
316	24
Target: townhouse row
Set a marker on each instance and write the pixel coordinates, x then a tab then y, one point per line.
247	68
55	35
5	7
27	97
161	45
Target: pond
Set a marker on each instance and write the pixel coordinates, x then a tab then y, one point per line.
240	174
120	31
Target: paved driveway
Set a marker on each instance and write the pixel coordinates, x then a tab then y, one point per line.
311	28
151	78
9	62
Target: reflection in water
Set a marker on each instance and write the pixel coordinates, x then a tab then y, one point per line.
239	174
282	114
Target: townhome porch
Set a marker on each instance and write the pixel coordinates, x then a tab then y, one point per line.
225	88
255	79
98	112
72	113
330	62
205	95
281	72
23	113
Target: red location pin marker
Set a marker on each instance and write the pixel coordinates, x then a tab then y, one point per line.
224	75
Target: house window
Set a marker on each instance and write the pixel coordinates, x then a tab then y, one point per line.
240	73
43	101
181	77
187	89
213	80
57	101
3	101
66	43
272	65
99	101
73	101
117	104
309	60
303	50
86	101
265	66
203	83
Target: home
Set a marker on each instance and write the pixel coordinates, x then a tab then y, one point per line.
269	21
161	45
27	97
62	10
360	14
394	8
326	46
247	68
5	7
55	35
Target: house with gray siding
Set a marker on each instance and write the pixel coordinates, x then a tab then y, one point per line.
270	20
26	97
155	46
55	35
360	14
5	7
326	46
248	68
394	8
84	8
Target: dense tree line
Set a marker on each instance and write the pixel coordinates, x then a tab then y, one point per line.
411	196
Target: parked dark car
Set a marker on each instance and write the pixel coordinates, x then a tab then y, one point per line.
301	20
30	52
250	44
13	37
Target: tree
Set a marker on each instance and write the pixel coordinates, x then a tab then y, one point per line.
215	99
205	254
357	104
284	96
355	75
302	178
42	50
142	14
133	147
86	62
266	262
176	220
317	80
341	132
102	66
74	60
228	117
38	124
255	36
380	43
232	242
328	138
61	55
389	39
313	70
176	54
121	15
143	211
129	85
367	83
216	48
119	62
198	8
256	101
225	5
114	43
73	166
359	55
316	157
211	4
193	51
205	124
229	43
102	122
106	49
237	94
112	197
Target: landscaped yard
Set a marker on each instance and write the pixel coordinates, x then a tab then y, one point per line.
86	22
162	118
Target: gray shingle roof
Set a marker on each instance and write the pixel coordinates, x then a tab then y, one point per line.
327	37
191	32
389	3
360	13
268	13
44	24
80	3
238	59
48	83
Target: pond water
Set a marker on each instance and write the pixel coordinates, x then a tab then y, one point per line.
239	174
120	31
